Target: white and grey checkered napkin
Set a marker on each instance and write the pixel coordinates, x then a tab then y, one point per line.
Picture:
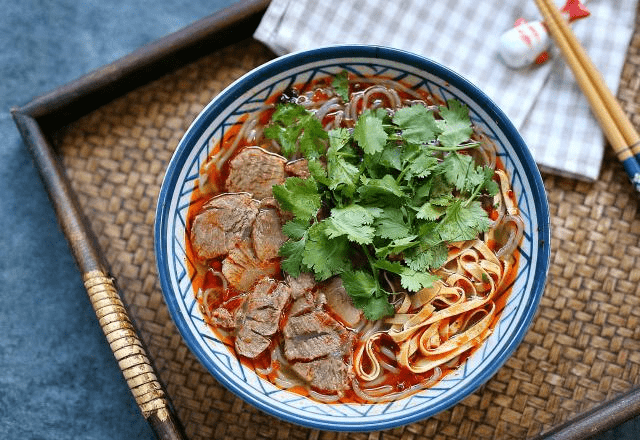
543	101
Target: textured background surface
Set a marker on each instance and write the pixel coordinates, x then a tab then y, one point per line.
58	378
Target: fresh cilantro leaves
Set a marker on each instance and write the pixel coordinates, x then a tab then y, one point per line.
297	130
418	124
389	195
354	221
370	135
454	124
300	196
340	84
366	294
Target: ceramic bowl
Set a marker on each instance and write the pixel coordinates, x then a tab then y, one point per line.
246	95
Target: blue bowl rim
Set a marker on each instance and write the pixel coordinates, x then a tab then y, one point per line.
346	52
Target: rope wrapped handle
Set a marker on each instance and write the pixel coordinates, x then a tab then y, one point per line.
131	355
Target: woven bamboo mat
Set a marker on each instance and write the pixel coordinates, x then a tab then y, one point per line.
582	349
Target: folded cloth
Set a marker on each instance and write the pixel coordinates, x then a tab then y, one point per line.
543	101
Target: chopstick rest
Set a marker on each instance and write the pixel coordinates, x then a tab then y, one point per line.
528	42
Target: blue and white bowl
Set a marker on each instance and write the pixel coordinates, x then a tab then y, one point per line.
245	95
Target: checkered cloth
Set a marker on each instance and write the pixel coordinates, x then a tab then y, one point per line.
543	101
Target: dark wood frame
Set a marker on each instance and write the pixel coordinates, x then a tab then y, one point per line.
46	113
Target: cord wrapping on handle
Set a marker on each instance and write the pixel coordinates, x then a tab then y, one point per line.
125	344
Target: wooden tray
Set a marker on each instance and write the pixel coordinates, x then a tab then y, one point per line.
102	143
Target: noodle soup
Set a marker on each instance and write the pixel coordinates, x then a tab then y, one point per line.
265	278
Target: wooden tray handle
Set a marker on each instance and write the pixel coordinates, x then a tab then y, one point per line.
127	347
114	319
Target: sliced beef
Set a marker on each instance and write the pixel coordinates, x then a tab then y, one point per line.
339	301
302	305
255	171
272	203
308	301
263	308
224	221
222	318
251	344
300	285
314	346
298	168
243	269
328	374
314	335
267	234
259	317
306	297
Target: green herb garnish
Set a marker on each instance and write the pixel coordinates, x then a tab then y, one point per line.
297	130
340	83
388	196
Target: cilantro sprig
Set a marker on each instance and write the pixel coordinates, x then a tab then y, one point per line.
297	130
388	196
340	84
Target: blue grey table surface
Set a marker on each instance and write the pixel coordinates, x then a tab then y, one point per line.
58	377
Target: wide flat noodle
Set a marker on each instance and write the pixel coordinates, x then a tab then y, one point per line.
367	349
444	320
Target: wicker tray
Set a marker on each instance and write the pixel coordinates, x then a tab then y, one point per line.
102	144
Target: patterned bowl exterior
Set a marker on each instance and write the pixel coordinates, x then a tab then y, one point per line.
247	94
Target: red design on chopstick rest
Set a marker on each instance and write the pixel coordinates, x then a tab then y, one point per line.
574	10
528	42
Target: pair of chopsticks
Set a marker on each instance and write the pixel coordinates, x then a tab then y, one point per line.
618	129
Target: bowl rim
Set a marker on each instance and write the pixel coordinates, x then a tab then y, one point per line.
347	52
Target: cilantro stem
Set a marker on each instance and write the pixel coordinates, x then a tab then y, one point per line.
406	168
370	260
474	194
458	148
374	269
401	175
